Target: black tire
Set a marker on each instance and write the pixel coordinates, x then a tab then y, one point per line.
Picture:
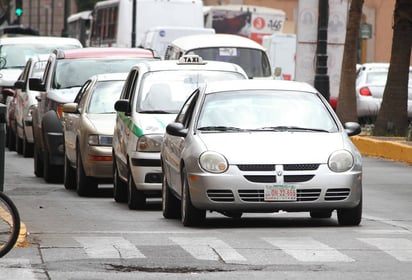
191	216
119	187
351	216
9	238
27	147
135	199
321	214
19	145
51	173
69	178
86	186
11	139
38	162
170	204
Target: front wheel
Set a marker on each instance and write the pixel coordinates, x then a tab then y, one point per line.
351	216
9	224
191	216
86	186
119	187
170	204
136	198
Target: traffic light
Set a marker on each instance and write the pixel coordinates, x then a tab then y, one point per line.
19	8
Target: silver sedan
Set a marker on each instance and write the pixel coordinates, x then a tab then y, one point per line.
260	146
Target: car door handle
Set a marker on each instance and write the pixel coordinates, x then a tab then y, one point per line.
38	98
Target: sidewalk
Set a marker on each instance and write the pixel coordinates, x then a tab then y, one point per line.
393	148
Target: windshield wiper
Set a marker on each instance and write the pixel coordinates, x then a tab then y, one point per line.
155	112
220	128
288	128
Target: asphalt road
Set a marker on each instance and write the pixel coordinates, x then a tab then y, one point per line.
71	237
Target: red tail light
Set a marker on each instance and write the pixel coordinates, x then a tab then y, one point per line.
365	91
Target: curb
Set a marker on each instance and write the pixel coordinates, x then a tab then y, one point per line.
393	148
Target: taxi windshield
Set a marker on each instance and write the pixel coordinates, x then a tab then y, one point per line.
166	91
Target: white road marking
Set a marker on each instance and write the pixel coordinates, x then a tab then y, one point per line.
308	250
109	247
209	249
399	248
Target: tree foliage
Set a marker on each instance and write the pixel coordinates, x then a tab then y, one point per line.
392	118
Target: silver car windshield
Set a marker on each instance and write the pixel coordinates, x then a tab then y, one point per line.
265	111
104	96
166	91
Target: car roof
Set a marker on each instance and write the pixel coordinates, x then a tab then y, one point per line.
103	52
371	66
39	40
214	40
167	65
282	85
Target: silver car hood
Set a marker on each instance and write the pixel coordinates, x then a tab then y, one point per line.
154	123
9	76
64	95
274	147
104	123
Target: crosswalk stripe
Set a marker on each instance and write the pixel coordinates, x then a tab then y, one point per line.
208	248
308	250
399	248
109	247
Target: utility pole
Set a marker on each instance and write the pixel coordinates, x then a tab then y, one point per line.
321	77
134	7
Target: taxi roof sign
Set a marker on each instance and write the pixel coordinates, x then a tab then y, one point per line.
191	59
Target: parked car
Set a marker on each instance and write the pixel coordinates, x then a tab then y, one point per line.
251	56
14	53
370	85
88	133
151	97
260	146
25	103
66	71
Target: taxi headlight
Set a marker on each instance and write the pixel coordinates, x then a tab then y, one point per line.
149	143
340	161
213	162
100	140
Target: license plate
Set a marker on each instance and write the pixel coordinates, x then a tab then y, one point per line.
280	193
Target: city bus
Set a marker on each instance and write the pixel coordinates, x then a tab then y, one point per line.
113	19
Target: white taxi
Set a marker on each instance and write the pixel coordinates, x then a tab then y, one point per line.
151	97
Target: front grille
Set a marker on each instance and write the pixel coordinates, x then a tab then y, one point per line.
254	195
220	195
300	167
297	178
261	178
256	167
337	194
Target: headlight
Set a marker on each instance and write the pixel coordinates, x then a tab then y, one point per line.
149	143
340	161
100	140
213	162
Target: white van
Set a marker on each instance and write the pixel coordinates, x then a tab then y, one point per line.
281	48
251	56
159	37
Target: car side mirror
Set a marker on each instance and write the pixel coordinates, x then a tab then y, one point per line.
352	128
123	105
70	108
36	84
19	84
176	129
